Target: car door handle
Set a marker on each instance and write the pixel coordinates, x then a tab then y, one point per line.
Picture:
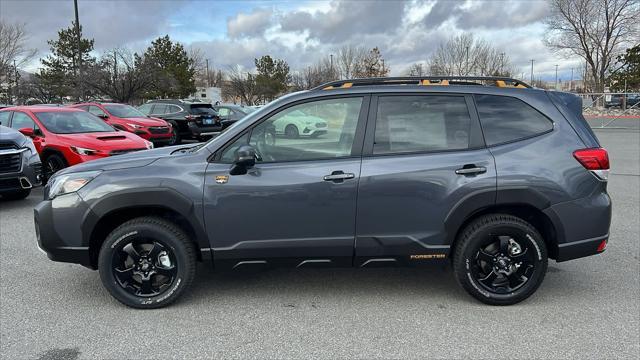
471	170
339	176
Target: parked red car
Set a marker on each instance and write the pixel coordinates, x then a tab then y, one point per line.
64	136
127	118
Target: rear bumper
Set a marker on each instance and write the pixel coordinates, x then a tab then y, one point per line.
581	226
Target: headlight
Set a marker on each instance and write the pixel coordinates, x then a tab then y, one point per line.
29	145
68	183
136	126
83	151
149	145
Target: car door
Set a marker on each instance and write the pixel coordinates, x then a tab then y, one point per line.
21	120
424	157
297	205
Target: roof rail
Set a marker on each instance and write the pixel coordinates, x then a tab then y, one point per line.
426	80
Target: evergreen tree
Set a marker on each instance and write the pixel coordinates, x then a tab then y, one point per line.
173	70
272	77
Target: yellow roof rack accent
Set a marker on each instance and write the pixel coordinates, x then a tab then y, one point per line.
428	82
343	86
502	83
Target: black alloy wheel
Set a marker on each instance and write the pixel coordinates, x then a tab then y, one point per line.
144	267
291	131
500	259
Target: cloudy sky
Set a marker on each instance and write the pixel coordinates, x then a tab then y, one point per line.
301	32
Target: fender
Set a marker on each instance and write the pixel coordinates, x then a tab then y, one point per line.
478	201
166	198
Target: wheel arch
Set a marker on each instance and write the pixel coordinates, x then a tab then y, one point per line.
116	209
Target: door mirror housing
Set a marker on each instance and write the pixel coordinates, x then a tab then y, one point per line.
28	132
103	116
245	159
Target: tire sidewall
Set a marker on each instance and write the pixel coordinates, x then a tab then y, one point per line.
122	236
533	241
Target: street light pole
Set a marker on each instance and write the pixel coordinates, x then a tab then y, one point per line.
532	60
556	77
75	5
571	83
208	78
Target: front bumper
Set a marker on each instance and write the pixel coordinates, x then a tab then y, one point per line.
28	175
56	238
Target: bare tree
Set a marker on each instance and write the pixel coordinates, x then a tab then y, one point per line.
463	55
13	47
595	30
372	65
417	69
205	75
241	86
348	60
121	75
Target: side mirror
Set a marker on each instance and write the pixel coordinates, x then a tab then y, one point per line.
103	116
244	160
28	132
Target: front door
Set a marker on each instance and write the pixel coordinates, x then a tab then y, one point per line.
297	205
424	156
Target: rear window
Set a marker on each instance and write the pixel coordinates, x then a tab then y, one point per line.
63	122
202	109
421	124
505	119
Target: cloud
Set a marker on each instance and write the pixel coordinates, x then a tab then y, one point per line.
501	14
252	24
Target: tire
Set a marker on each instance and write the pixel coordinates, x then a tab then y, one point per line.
480	247
123	277
16	195
291	131
54	163
176	139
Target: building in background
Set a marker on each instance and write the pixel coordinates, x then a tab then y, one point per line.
207	94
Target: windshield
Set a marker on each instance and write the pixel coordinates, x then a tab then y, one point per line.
72	122
123	111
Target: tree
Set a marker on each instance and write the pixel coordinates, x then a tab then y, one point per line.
121	75
627	76
463	55
272	77
13	50
348	61
417	69
173	70
205	76
595	30
372	65
60	69
241	86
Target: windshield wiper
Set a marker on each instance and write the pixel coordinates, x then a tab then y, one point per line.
187	149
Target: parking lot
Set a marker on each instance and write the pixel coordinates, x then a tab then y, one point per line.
587	308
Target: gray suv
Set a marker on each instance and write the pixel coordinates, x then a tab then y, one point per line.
494	175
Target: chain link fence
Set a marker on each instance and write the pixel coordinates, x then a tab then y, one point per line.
609	108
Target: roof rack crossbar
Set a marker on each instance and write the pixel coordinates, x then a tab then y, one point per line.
425	80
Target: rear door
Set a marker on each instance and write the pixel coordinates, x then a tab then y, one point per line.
297	205
424	157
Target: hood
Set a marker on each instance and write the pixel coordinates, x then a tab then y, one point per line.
125	161
105	141
9	135
144	121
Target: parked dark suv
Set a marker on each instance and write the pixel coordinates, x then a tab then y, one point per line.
20	166
487	172
189	120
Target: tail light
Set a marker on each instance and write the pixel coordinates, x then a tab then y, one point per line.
596	160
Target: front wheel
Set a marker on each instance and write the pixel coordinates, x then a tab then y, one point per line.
54	163
500	259
175	135
147	263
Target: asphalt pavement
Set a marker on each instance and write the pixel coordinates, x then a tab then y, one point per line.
587	308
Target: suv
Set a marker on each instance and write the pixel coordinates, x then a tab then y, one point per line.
127	118
20	167
488	172
188	119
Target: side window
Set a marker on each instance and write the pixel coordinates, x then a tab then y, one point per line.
159	109
96	111
172	109
22	120
421	124
316	130
4	118
507	119
145	109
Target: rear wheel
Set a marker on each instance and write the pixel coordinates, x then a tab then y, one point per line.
291	131
500	259
175	134
147	263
